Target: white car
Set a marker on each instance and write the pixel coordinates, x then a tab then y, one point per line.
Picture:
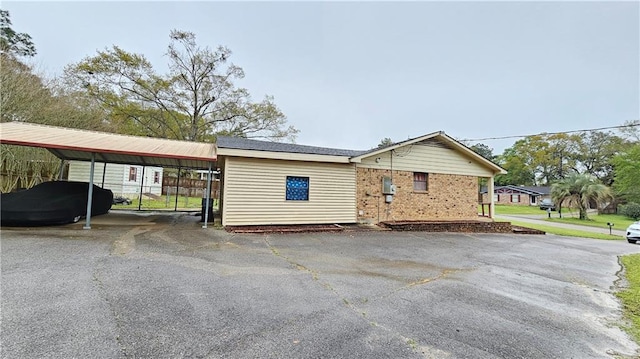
633	232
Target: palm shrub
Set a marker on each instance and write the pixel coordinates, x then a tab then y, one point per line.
578	190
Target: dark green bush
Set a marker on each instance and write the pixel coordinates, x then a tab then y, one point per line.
631	210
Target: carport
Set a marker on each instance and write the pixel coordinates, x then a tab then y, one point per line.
82	145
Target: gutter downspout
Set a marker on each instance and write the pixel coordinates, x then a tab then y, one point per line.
104	172
61	172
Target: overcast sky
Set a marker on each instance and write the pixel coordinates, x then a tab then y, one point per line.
349	74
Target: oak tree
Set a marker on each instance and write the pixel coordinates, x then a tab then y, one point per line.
627	173
484	151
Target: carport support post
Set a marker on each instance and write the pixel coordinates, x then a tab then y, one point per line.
90	194
177	189
492	202
206	210
141	189
61	170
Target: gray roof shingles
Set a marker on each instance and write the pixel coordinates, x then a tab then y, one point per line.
535	190
240	143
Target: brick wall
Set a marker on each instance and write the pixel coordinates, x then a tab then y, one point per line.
449	197
505	198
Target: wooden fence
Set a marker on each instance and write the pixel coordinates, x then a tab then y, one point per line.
189	187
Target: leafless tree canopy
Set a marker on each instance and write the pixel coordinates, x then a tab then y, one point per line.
194	101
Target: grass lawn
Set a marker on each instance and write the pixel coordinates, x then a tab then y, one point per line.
569	216
620	222
566	232
630	297
165	203
504	209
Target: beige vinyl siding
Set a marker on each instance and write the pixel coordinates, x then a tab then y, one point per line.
255	192
428	156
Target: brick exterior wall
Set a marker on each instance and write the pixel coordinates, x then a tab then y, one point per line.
505	198
449	197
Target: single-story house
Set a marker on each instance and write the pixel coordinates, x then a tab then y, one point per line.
519	195
431	177
121	179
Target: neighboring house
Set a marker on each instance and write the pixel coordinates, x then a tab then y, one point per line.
520	195
122	180
202	174
432	177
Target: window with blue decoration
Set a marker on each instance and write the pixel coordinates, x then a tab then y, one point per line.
297	188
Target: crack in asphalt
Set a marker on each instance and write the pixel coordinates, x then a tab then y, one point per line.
414	345
442	274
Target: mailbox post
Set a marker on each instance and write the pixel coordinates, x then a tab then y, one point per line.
610	225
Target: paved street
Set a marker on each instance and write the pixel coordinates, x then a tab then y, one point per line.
162	287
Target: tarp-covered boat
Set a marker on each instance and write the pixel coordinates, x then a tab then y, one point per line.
51	203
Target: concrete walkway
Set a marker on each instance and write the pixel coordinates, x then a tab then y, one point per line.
535	219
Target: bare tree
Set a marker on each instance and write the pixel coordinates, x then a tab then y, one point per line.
194	101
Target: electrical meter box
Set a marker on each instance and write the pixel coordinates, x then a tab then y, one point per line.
387	186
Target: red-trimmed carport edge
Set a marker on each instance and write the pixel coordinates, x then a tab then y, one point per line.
82	145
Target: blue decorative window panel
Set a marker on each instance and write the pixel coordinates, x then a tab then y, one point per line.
297	188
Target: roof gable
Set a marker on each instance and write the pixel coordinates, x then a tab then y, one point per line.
436	139
237	146
532	190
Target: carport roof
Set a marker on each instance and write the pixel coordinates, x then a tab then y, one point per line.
74	144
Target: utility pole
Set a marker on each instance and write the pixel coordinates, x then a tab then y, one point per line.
560	173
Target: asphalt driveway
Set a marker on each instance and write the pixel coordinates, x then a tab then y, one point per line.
163	287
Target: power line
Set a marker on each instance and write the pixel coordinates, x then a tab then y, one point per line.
551	133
